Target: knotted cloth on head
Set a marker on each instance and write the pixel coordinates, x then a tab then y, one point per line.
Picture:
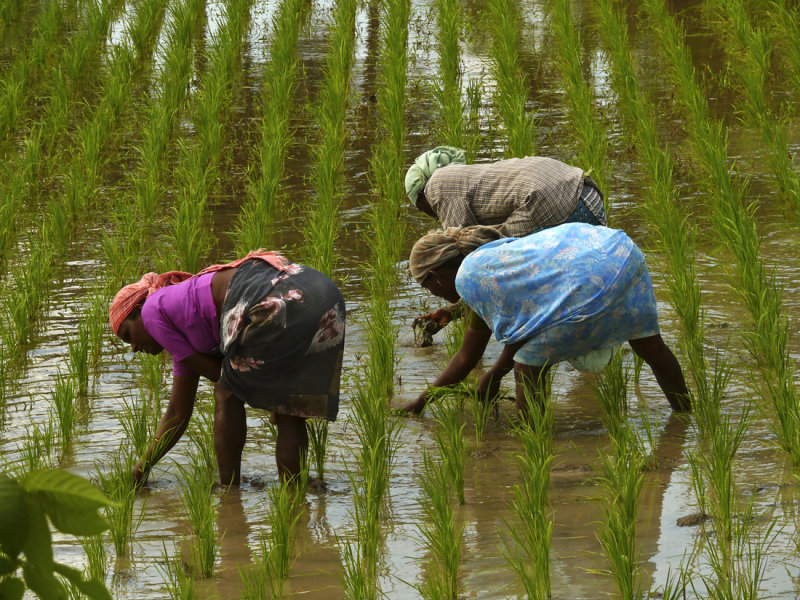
130	296
426	163
436	248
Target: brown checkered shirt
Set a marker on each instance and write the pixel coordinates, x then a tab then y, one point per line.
524	194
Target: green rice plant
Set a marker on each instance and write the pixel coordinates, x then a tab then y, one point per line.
480	406
96	557
79	360
511	95
318	442
95	324
9	11
449	438
202	437
37	452
256	221
259	580
137	422
589	128
785	22
454	336
527	546
472	135
65	410
322	225
439	532
118	484
354	579
196	484
285	500
178	581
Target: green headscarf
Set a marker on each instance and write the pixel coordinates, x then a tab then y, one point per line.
426	163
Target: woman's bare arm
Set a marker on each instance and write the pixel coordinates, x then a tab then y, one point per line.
172	425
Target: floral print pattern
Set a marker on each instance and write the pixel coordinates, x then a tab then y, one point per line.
541	287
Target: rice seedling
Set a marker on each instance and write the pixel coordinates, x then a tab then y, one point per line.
283	514
65	410
259	580
590	129
472	136
527	546
38	450
202	438
178	581
439	532
454	336
96	557
785	22
118	484
318	442
137	422
9	11
255	227
95	322
196	483
511	95
79	360
449	438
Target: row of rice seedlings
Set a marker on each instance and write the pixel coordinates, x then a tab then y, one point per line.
322	224
256	225
65	410
447	86
590	129
439	532
126	249
449	437
38	450
529	533
511	95
197	166
784	19
116	481
96	557
735	224
751	51
15	85
621	476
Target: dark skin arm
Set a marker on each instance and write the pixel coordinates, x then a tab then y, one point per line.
489	382
172	425
463	361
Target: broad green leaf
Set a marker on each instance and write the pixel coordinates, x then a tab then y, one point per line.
75	522
39	545
13	517
92	588
43	582
65	489
11	589
7	566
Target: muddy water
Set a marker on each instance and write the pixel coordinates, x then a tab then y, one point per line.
576	560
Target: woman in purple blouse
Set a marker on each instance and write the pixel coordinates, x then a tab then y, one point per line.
268	332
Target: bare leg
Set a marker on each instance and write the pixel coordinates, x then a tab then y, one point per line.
291	446
666	369
532	378
230	432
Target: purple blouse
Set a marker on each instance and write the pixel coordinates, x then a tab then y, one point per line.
183	319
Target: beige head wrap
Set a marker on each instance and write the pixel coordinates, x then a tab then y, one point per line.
426	163
435	249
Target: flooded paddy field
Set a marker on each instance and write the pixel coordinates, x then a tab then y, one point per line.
70	142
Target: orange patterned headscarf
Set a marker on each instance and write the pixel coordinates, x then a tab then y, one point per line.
132	295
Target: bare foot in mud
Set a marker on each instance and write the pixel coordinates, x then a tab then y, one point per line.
317	486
